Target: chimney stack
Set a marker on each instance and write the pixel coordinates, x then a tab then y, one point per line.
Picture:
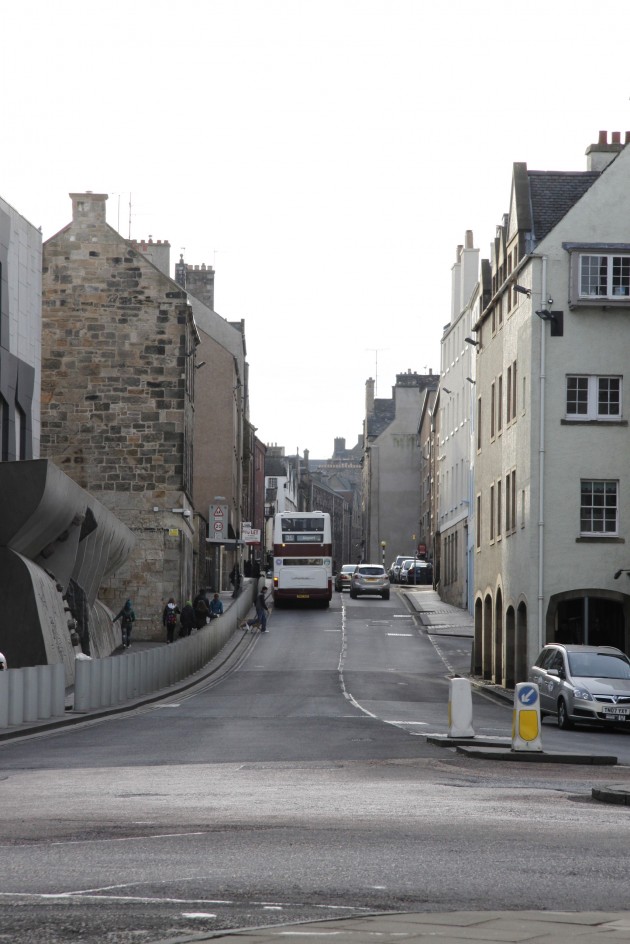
599	156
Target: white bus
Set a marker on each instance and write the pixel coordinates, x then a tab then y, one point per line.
302	557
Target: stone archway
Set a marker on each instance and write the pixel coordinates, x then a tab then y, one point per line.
497	647
477	657
509	669
487	637
521	666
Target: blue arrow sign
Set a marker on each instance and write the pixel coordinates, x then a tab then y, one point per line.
527	695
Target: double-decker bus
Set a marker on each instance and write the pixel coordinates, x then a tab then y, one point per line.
302	557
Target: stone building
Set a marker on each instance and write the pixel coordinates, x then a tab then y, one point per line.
56	541
118	386
392	467
552	485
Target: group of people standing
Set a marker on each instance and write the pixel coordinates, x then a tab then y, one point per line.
194	614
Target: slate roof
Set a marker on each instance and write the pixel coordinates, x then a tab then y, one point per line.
553	193
384	414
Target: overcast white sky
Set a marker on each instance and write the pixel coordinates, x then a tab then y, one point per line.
325	156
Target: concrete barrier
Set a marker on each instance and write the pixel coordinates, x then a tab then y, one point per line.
38	692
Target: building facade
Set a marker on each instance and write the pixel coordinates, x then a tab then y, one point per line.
552	486
392	467
118	380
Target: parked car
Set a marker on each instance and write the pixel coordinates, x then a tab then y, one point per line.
342	578
369	578
394	570
420	572
583	684
404	567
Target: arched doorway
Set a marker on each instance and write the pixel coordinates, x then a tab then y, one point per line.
497	653
487	637
588	617
477	657
510	648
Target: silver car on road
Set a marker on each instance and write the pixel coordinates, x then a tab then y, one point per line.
583	684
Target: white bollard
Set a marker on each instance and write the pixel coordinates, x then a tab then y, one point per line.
526	718
460	709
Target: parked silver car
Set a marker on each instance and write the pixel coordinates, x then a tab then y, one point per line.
369	578
583	684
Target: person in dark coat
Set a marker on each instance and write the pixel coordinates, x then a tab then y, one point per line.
201	612
262	609
169	619
127	618
187	619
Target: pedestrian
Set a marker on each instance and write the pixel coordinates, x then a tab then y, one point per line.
235	580
3	663
127	618
202	613
216	607
261	609
169	619
187	619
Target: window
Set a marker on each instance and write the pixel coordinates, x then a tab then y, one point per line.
493	408
479	423
478	523
604	276
599	507
500	404
508	504
499	509
593	398
514	390
491	513
272	482
508	396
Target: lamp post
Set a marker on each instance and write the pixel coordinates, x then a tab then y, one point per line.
383	546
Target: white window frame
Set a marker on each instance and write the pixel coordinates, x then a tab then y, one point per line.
605	260
592	384
609	273
603	503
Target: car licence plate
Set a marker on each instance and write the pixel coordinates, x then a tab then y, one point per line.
610	712
303	596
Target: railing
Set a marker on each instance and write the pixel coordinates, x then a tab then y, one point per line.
37	693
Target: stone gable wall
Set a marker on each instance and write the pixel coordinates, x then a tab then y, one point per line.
117	408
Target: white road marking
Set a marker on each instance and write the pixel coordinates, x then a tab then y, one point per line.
400	634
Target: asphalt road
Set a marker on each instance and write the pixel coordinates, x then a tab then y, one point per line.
299	784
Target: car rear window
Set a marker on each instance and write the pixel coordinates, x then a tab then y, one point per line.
372	571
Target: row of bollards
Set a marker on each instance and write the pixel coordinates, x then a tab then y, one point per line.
525	716
34	693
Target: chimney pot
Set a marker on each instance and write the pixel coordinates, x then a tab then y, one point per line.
603	137
616	137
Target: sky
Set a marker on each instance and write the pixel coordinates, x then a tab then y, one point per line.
326	157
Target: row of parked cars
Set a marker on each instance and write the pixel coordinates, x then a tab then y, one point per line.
411	570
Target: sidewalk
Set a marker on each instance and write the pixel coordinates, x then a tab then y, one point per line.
457	927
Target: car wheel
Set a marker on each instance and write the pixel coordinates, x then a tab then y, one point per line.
353	595
564	722
386	595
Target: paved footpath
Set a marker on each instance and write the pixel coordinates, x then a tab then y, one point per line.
457	927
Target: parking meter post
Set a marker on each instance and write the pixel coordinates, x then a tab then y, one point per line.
460	708
526	718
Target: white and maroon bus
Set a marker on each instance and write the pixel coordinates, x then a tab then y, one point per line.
302	557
